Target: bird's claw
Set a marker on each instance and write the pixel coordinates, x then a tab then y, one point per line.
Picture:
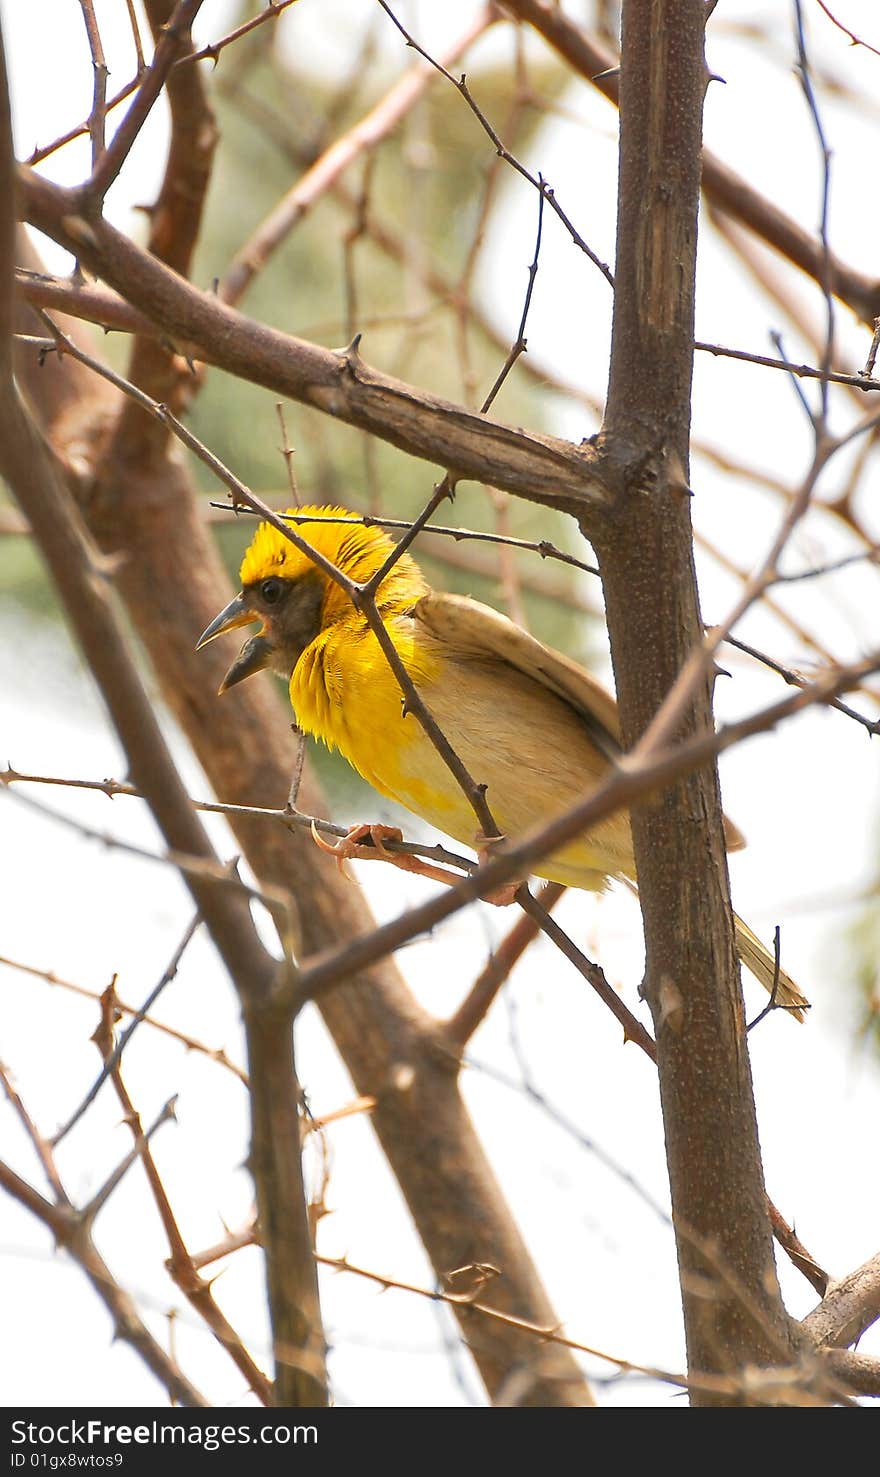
349	848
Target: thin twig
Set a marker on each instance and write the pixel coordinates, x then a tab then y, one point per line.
519	346
42	1148
72	1232
115	1056
174	36
800	371
211	52
460	1026
543	547
537	182
289	816
854	39
98	115
194	1288
103	1193
135	35
192	1043
288	453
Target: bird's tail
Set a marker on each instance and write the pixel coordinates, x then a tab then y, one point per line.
762	963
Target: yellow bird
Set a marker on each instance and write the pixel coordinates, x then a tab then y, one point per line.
525	720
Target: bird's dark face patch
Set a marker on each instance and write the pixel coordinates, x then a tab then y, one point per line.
290	614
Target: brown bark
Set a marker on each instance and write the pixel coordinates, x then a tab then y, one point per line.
733	1313
543	468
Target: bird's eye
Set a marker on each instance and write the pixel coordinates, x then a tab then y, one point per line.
271	591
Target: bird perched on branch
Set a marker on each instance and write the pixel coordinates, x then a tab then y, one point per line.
526	721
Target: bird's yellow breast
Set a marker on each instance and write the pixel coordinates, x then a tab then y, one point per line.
344	692
513	735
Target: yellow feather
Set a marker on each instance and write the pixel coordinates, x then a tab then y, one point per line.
526	721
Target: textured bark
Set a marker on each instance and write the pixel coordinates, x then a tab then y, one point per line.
733	1313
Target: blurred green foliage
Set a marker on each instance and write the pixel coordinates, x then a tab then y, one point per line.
862	956
424	187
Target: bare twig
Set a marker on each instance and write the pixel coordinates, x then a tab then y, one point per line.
98	114
103	1193
115	1055
853	38
71	1232
276	900
173	37
537	182
40	154
375	126
288	453
471	1012
214	1054
211	52
195	1289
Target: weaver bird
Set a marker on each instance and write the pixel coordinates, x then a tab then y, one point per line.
525	720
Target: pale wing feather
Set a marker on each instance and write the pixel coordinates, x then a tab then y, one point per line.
473	630
476	630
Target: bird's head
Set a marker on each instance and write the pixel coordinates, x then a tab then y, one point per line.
294	600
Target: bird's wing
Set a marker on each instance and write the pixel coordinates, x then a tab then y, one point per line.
477	631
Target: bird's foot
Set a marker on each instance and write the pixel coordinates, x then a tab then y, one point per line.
350	848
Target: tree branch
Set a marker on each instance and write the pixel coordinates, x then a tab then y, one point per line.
645	551
722	186
540	468
848	1308
81	578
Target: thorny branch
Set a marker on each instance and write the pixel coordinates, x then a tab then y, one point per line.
827	272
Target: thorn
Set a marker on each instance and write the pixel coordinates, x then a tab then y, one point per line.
678	482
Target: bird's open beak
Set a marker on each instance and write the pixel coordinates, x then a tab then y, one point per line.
255	655
235	614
